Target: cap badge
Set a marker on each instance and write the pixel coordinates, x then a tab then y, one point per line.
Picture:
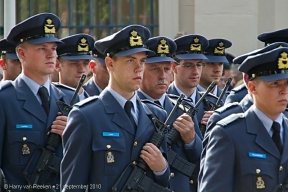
163	47
83	45
49	27
195	46
220	49
283	61
135	40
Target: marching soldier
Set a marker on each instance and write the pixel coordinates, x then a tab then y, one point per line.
250	146
73	60
213	68
187	72
238	93
113	129
100	78
28	109
153	87
9	61
235	107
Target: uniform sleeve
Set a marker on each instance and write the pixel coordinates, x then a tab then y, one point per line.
218	166
76	163
2	132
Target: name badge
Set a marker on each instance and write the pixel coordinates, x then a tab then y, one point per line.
24	126
111	134
257	155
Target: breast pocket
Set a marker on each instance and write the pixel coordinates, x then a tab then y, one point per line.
258	174
21	146
109	155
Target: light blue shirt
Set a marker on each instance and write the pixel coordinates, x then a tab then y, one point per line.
214	92
267	122
161	99
35	86
193	96
121	100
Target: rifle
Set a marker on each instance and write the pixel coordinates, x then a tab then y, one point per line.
216	105
182	165
48	165
138	180
3	181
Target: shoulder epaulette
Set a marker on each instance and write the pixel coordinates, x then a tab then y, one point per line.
5	84
239	88
87	100
59	85
231	118
226	106
150	102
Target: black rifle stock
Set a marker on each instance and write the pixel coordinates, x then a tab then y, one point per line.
138	180
48	166
3	181
216	105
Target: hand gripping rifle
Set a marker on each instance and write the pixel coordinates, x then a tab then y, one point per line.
138	181
47	168
183	166
216	105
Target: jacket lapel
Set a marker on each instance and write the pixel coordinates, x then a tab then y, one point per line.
31	104
285	141
263	138
113	107
55	95
142	121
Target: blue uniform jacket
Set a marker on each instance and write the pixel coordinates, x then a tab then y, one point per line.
178	181
91	88
236	94
241	159
22	117
89	145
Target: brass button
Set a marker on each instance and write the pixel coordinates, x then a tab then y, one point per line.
171	174
108	146
24	138
258	171
134	162
280	168
191	181
135	144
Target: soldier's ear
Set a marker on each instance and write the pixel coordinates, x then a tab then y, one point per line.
252	87
2	63
91	64
109	63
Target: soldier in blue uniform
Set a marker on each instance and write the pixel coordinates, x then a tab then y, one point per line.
274	36
100	78
24	123
153	87
238	93
213	68
73	60
250	146
187	72
236	107
9	61
106	133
